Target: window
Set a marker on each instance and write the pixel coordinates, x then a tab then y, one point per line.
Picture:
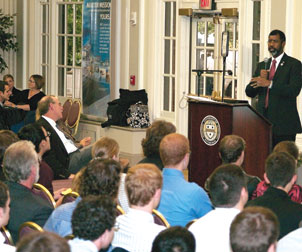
62	21
169	42
256	34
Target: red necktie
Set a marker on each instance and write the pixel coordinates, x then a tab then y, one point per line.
270	77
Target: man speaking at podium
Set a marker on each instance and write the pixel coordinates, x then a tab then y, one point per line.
277	82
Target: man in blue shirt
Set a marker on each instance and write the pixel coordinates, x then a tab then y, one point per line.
181	201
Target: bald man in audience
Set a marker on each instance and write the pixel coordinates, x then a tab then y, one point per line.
4	216
21	168
181	201
228	194
64	157
255	229
280	174
136	229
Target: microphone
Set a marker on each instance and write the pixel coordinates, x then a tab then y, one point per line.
265	62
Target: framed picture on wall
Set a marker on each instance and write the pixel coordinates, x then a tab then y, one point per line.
206	4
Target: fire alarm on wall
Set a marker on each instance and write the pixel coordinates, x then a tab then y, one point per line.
132	80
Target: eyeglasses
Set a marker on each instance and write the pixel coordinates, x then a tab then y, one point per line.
31	81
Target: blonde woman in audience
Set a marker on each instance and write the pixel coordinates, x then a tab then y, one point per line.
107	147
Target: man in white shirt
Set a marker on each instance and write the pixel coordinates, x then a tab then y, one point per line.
92	224
137	229
64	157
4	216
228	194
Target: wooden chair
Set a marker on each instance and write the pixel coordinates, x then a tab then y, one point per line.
190	223
6	234
73	117
70	197
42	191
66	107
160	219
28	227
119	210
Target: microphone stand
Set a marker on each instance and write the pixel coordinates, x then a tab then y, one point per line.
201	71
223	79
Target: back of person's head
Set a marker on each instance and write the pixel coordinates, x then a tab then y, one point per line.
42	242
230	148
32	132
255	229
173	148
39	80
93	216
225	185
105	147
100	177
154	135
142	182
289	147
280	168
43	105
174	239
2	86
19	158
7	137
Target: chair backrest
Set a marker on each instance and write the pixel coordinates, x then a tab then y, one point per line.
159	218
119	210
28	227
42	191
74	116
6	234
70	197
69	237
190	223
66	107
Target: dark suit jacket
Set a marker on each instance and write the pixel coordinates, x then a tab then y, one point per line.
25	206
57	157
282	109
289	213
10	116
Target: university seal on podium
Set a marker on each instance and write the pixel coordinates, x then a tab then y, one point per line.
210	130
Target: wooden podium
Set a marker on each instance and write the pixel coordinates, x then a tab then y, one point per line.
209	119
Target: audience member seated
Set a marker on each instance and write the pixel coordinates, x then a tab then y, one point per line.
40	138
295	192
42	242
280	174
92	224
107	147
137	229
8	116
174	239
21	169
254	229
292	242
100	177
64	157
150	143
9	79
181	201
228	194
28	99
4	216
231	151
7	138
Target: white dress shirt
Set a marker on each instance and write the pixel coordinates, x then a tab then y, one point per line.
68	143
292	242
212	231
137	231
5	247
80	245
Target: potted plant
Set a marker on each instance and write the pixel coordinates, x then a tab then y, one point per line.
7	39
